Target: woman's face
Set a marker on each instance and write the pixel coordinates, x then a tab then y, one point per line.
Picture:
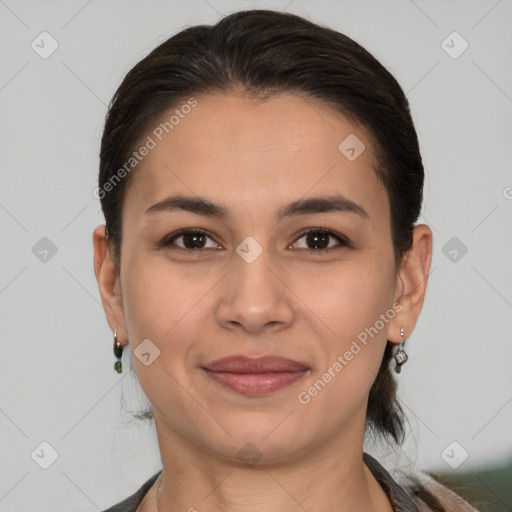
256	285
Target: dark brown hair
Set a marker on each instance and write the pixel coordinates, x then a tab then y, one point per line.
260	53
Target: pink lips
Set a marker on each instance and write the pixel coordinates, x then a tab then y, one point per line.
254	377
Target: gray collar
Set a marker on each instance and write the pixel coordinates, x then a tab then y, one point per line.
397	496
400	500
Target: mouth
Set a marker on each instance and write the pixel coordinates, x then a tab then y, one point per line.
255	377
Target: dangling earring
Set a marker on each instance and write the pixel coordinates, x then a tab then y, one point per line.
118	352
400	357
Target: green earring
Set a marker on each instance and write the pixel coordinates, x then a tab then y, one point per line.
118	352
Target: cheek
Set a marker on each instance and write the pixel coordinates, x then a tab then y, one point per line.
157	299
348	297
353	311
148	301
169	305
164	307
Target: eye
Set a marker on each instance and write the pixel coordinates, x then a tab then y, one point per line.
193	239
319	238
196	239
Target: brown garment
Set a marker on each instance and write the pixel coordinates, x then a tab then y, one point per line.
402	499
451	501
405	499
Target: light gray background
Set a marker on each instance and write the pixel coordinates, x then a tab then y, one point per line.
56	378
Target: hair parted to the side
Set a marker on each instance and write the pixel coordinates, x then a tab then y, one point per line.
258	54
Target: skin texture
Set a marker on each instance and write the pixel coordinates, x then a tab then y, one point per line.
254	157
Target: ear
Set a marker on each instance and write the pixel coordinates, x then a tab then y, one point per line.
109	284
411	284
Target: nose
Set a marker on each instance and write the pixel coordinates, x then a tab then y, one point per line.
255	297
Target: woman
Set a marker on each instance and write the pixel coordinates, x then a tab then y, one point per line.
261	180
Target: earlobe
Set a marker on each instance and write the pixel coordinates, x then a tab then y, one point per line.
412	285
108	283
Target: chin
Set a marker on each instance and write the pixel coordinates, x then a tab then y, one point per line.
263	442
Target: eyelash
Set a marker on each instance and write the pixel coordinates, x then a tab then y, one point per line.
342	240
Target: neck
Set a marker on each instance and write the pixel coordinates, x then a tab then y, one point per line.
332	477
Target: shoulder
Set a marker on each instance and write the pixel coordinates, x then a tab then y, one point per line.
131	503
427	493
418	492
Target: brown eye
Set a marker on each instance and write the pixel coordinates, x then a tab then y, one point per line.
318	239
191	239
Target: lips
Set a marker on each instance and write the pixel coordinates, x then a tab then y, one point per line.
265	364
259	376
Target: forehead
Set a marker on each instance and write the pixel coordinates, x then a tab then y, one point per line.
264	152
280	124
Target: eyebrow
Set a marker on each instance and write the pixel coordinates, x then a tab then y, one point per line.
202	206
